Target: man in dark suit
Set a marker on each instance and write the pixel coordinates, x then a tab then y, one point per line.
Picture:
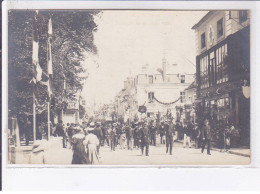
98	132
206	136
153	133
162	133
145	139
129	137
169	129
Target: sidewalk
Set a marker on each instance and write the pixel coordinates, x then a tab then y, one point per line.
237	151
54	153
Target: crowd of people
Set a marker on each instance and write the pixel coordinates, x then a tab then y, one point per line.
85	140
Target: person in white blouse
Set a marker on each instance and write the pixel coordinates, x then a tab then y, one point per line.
91	142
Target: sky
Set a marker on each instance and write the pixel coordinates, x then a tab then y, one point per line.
127	40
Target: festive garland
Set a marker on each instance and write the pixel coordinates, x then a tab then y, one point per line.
165	103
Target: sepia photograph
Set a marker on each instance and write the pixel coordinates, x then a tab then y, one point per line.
128	87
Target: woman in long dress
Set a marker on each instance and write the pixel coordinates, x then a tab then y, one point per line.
91	142
79	152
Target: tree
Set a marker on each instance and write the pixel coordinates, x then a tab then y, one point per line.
72	38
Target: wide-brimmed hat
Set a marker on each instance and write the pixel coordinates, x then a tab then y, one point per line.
39	145
114	124
92	124
78	136
90	129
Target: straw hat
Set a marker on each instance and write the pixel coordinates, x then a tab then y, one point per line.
90	129
92	124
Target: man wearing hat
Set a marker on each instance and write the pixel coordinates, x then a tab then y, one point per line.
197	135
129	137
135	126
112	134
152	128
169	131
91	126
99	134
206	136
162	132
145	139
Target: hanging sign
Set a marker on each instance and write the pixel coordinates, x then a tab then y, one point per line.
142	109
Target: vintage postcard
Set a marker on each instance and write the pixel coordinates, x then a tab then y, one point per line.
128	87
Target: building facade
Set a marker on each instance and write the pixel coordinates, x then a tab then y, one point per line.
223	70
185	110
126	103
160	91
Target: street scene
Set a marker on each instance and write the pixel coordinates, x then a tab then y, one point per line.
128	87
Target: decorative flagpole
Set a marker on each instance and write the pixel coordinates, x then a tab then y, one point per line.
49	69
49	122
34	117
37	72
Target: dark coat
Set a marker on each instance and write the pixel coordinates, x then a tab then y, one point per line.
152	130
145	132
162	130
79	152
129	132
98	132
189	129
170	131
206	132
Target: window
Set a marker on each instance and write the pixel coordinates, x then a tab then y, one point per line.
151	96
150	79
204	74
220	31
182	79
212	69
182	97
242	16
221	66
141	79
203	40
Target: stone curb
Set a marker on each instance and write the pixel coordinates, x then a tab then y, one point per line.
229	151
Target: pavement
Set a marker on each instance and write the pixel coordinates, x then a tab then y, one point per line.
157	156
55	154
237	151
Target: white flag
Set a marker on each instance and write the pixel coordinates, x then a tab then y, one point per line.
50	27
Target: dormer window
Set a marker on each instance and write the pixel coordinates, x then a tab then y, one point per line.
182	79
150	79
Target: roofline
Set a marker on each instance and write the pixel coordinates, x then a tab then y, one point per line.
210	13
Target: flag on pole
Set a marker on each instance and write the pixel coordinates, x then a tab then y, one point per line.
48	82
50	27
37	70
49	48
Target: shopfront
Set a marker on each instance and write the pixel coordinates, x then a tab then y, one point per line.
222	72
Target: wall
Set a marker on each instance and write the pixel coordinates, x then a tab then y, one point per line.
230	27
190	95
70	117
